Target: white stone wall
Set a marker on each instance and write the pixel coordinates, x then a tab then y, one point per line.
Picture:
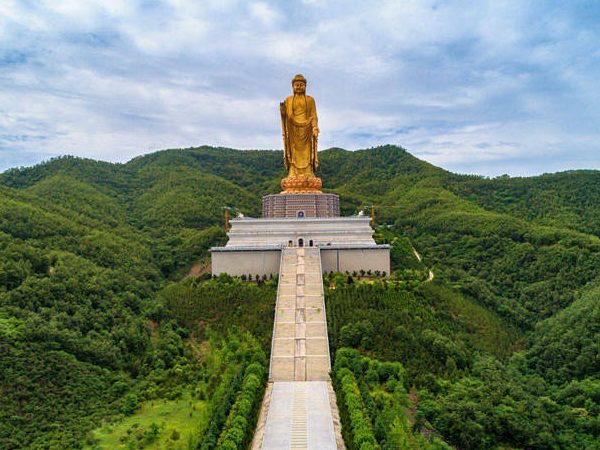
238	263
342	260
266	262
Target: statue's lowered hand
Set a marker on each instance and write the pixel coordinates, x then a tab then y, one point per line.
282	108
316	132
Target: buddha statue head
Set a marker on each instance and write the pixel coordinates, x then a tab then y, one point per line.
299	84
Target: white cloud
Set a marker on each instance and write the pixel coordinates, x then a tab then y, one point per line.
460	84
265	13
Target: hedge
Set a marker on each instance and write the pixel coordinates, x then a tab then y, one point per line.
236	431
353	408
221	407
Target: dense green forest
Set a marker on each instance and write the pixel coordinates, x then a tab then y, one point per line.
99	334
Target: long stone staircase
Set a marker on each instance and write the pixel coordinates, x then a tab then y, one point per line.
300	351
299	410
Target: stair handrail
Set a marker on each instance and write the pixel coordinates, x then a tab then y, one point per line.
275	315
324	309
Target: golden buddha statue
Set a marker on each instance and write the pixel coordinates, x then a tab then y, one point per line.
300	133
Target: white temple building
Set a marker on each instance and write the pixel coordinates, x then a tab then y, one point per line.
254	246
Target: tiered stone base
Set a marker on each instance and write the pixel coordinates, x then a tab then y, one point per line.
282	206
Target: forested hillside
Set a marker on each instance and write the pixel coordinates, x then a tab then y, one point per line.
102	344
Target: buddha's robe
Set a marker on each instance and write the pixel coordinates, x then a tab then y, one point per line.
301	118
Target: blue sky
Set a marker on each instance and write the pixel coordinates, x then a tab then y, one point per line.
486	87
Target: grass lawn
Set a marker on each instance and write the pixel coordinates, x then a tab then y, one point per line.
152	426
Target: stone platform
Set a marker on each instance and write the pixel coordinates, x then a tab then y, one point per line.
345	243
300	205
303	232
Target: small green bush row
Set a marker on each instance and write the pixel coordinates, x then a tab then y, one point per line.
378	389
237	430
354	409
370	369
221	410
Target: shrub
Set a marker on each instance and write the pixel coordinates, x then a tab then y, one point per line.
131	404
354	408
236	432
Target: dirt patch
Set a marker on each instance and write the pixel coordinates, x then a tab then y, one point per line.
154	331
199	349
200	324
199	268
414	404
410	413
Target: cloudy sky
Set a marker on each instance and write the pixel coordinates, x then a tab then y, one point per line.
486	87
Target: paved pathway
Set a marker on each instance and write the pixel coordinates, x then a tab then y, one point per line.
300	351
299	417
299	414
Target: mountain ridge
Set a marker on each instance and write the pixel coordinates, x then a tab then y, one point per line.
366	172
92	254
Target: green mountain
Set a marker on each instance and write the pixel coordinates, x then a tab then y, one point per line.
97	333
